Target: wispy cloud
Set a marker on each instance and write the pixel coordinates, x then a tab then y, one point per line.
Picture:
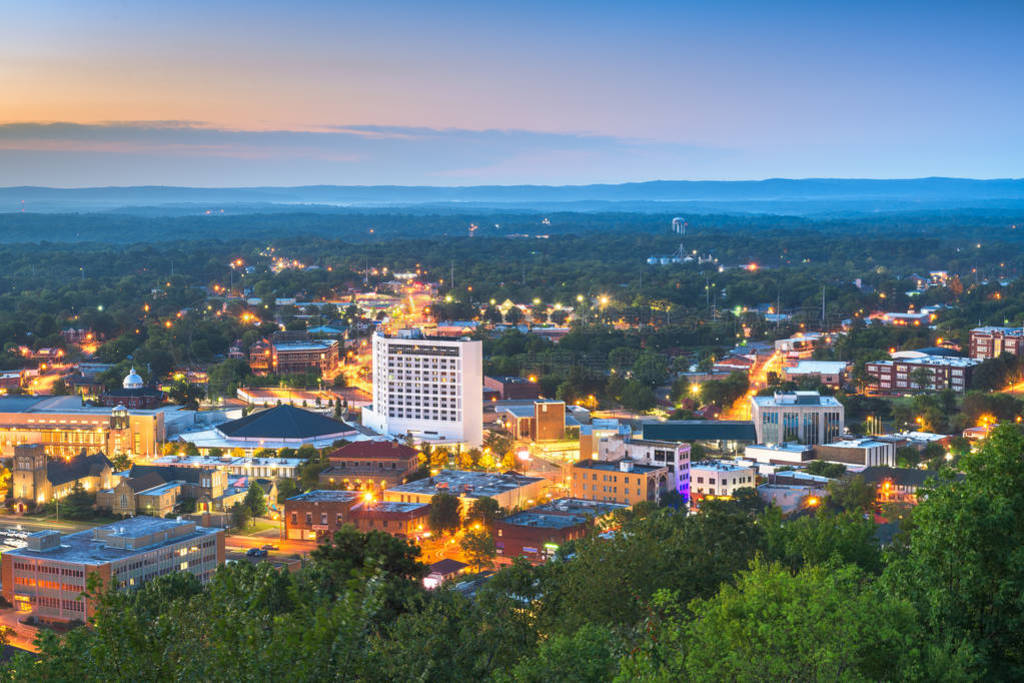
195	153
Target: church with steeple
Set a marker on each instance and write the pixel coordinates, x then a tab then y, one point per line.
134	393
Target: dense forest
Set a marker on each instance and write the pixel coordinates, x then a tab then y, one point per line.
167	291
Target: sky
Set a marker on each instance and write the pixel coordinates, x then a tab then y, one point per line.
465	93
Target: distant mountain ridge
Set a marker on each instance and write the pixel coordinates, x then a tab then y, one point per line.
788	195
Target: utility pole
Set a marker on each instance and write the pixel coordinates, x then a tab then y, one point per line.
823	308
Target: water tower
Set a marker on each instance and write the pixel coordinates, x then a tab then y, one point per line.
679	228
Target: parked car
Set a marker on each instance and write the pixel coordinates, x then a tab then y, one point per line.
256	552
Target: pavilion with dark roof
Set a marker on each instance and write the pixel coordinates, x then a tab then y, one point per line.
283	426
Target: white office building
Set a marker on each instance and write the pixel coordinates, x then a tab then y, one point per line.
428	388
804	417
720	478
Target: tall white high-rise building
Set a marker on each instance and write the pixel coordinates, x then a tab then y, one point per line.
428	388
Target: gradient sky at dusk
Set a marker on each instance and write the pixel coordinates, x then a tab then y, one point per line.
443	93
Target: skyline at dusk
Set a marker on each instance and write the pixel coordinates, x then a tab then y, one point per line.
265	94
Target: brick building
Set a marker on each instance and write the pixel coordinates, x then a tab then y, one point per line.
370	465
291	353
991	342
538	532
134	393
540	420
48	576
512	388
898	376
536	535
313	515
401	520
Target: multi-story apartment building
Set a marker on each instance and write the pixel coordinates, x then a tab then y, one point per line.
293	353
48	576
897	376
992	342
623	481
427	388
718	478
802	416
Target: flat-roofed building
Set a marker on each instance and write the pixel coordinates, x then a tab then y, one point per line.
779	453
594	510
316	514
800	416
791	497
539	420
991	342
260	468
64	427
720	479
512	388
723	436
900	375
865	452
831	373
535	535
290	353
510	489
401	520
428	388
669	454
623	481
48	576
800	346
599	429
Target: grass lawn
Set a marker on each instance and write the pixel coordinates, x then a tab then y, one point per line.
258	526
